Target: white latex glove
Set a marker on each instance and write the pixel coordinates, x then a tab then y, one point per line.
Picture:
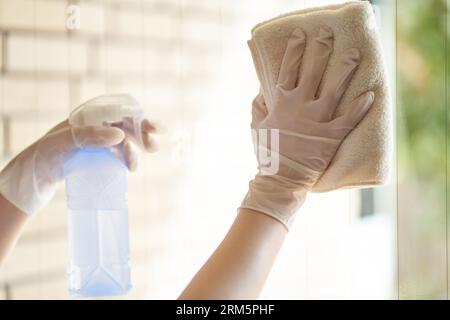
30	179
309	135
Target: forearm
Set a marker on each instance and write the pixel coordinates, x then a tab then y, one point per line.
12	221
241	264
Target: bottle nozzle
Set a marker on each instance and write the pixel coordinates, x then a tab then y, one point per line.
106	110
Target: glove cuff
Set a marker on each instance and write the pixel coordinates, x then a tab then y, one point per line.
275	196
19	186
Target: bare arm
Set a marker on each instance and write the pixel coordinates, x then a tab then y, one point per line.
12	221
241	264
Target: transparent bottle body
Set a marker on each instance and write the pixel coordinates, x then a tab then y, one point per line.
96	188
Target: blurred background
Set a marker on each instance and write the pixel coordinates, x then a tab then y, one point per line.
188	64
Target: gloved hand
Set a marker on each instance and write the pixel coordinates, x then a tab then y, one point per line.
309	134
30	179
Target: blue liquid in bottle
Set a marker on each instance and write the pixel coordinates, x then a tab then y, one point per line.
97	200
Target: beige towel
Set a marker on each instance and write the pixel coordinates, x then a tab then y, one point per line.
364	158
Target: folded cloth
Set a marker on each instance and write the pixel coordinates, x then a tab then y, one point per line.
364	157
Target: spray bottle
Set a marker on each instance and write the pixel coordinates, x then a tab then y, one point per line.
97	201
